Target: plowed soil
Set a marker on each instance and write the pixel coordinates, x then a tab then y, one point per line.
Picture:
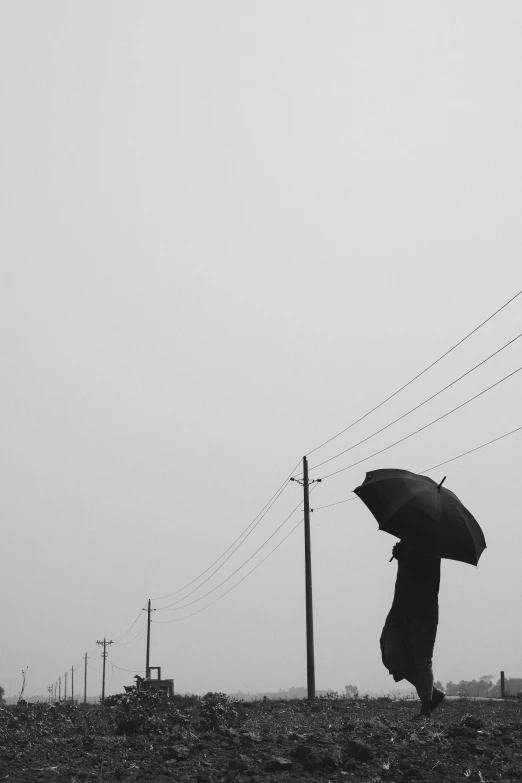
209	739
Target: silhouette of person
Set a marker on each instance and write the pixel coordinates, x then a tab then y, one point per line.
409	633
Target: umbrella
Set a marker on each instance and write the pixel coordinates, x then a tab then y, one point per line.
426	514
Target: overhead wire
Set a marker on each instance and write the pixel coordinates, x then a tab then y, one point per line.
281	488
260	515
446	353
425	427
198	611
140	633
329	505
416	407
195	589
470	451
131	650
132	671
184	606
179	619
433	467
129	628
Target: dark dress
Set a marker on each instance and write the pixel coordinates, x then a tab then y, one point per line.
409	633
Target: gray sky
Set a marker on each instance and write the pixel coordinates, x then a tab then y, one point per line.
230	229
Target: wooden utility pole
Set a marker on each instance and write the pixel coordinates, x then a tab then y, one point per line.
104	656
59	688
85	682
72	684
65	694
55	690
502	686
50	692
147	660
310	662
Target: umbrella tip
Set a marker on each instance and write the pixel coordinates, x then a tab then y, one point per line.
442	482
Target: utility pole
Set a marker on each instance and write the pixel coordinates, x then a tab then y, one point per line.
85	682
65	694
147	662
72	684
59	688
310	662
502	686
50	692
55	690
104	656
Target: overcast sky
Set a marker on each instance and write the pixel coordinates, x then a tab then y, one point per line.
229	229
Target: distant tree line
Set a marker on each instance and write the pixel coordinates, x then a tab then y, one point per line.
294	692
484	686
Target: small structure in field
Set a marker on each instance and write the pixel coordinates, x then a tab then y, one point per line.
149	684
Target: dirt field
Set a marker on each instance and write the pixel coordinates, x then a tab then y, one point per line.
210	739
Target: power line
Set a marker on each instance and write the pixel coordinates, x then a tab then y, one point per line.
416	376
246	561
338	503
195	589
166	608
179	619
136	640
341	470
377	432
261	515
439	464
128	629
483	445
138	635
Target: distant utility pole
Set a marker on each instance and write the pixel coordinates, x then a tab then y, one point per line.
147	662
85	682
65	693
50	692
104	656
59	688
310	662
55	690
502	686
72	684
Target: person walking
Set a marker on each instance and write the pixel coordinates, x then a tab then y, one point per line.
408	637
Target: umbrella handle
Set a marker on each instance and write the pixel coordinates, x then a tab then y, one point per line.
391	558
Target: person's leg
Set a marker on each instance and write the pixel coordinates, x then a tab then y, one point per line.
422	639
437	698
397	647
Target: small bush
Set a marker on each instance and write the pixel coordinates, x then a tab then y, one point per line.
217	711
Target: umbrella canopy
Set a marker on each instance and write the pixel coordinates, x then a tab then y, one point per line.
417	509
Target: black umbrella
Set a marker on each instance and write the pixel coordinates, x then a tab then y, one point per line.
426	514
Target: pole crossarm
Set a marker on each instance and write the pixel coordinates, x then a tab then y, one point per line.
312	481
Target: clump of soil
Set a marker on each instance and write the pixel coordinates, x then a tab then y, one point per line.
142	737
